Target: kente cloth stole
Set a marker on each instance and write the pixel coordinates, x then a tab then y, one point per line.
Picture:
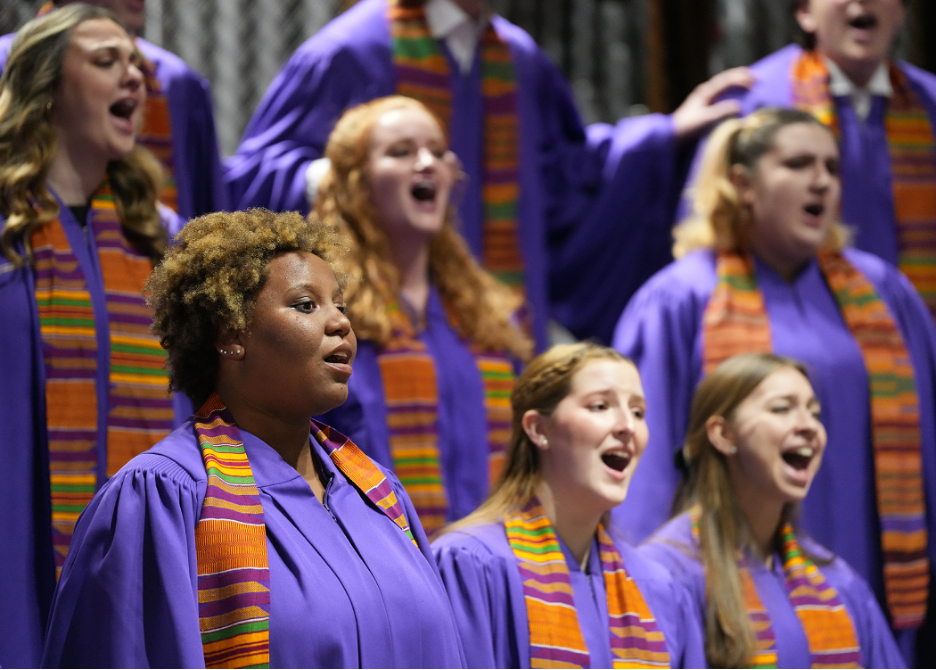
422	72
230	536
829	629
156	129
140	409
411	396
913	164
555	636
736	321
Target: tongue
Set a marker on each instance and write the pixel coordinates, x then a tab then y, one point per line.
615	461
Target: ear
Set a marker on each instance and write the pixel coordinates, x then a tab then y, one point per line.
229	346
740	178
534	425
721	435
805	17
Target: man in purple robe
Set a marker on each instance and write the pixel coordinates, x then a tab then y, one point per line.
596	203
195	163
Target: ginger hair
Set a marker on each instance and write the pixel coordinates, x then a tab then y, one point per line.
481	307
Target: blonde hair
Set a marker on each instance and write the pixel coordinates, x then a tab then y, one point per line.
482	307
723	530
28	144
541	387
720	220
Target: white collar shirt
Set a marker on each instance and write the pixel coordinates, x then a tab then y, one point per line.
447	21
860	97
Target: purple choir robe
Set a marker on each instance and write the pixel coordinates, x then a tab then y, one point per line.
197	164
26	558
596	204
463	442
867	191
672	547
348	588
661	329
483	582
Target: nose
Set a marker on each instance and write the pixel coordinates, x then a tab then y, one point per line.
425	158
626	424
339	324
133	76
807	424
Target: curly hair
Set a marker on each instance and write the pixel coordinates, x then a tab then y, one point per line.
482	307
720	220
28	143
209	281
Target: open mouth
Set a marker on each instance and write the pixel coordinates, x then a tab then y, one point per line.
616	460
864	22
799	459
814	209
340	357
424	190
124	109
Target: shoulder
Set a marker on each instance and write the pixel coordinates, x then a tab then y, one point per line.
690	279
176	458
924	81
353	35
484	544
888	279
776	64
771	80
671	546
517	37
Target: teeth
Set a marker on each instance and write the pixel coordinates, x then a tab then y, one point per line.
805	452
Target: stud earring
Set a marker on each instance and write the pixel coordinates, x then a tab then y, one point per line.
732	450
544	442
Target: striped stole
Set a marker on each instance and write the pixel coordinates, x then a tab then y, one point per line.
829	629
156	130
139	406
555	635
912	158
408	373
737	322
231	541
422	72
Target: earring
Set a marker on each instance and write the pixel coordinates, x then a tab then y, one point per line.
732	450
544	441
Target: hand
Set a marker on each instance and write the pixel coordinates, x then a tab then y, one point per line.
700	110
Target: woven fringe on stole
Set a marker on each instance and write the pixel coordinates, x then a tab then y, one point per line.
139	406
829	629
735	322
231	548
156	128
422	72
912	158
555	635
411	396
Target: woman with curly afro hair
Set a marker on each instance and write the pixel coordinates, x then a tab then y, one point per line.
439	339
250	536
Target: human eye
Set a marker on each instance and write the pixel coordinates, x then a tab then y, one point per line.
799	162
598	406
399	150
305	306
833	167
639	412
781	408
342	307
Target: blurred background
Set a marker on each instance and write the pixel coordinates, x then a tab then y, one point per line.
622	57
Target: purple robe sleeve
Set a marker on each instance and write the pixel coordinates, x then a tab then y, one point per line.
119	602
659	332
484	600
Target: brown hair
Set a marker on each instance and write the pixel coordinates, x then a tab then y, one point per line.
723	531
720	220
28	144
541	387
483	307
209	281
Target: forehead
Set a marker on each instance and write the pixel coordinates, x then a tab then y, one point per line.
407	122
805	137
783	382
607	374
295	268
97	33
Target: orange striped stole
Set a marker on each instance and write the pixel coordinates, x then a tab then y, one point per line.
913	164
737	323
139	406
829	629
408	373
422	72
556	639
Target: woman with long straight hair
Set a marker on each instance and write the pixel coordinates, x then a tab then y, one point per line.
84	388
771	596
536	576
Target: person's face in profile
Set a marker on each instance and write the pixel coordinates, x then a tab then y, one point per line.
98	105
298	351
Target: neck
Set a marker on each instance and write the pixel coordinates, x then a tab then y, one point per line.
287	437
787	268
576	527
859	72
412	262
763	520
74	181
472	8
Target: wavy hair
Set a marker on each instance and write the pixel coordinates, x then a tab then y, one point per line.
28	143
546	380
720	220
723	530
482	307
